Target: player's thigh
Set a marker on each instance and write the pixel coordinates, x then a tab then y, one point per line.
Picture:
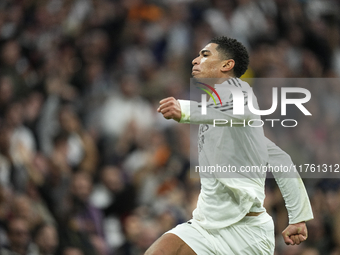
251	235
169	244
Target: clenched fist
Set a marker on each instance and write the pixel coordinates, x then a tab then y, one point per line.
170	108
295	233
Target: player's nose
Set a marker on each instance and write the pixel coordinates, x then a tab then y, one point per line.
196	61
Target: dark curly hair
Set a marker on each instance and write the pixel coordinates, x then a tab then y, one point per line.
230	48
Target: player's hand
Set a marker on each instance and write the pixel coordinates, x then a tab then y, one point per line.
295	233
170	108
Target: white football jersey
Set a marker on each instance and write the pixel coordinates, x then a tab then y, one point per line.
228	195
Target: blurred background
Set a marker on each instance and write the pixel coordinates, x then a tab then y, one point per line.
87	165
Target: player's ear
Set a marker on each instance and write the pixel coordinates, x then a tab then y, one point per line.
227	65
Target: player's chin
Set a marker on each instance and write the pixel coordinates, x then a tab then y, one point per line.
197	77
195	74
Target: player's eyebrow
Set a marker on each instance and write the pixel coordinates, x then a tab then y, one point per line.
204	51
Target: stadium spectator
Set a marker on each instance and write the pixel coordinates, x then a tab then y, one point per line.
46	238
19	239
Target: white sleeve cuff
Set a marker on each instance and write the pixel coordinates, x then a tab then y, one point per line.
185	109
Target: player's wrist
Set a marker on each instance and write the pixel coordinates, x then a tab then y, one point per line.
301	222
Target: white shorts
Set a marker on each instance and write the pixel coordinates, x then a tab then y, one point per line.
253	235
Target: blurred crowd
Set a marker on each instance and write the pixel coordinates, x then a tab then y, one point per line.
88	166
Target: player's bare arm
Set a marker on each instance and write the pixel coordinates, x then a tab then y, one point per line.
295	233
170	108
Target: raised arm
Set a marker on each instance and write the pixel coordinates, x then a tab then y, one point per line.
185	111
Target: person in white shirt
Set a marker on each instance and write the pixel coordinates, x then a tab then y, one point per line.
230	217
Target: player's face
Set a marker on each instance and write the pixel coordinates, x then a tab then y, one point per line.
208	62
